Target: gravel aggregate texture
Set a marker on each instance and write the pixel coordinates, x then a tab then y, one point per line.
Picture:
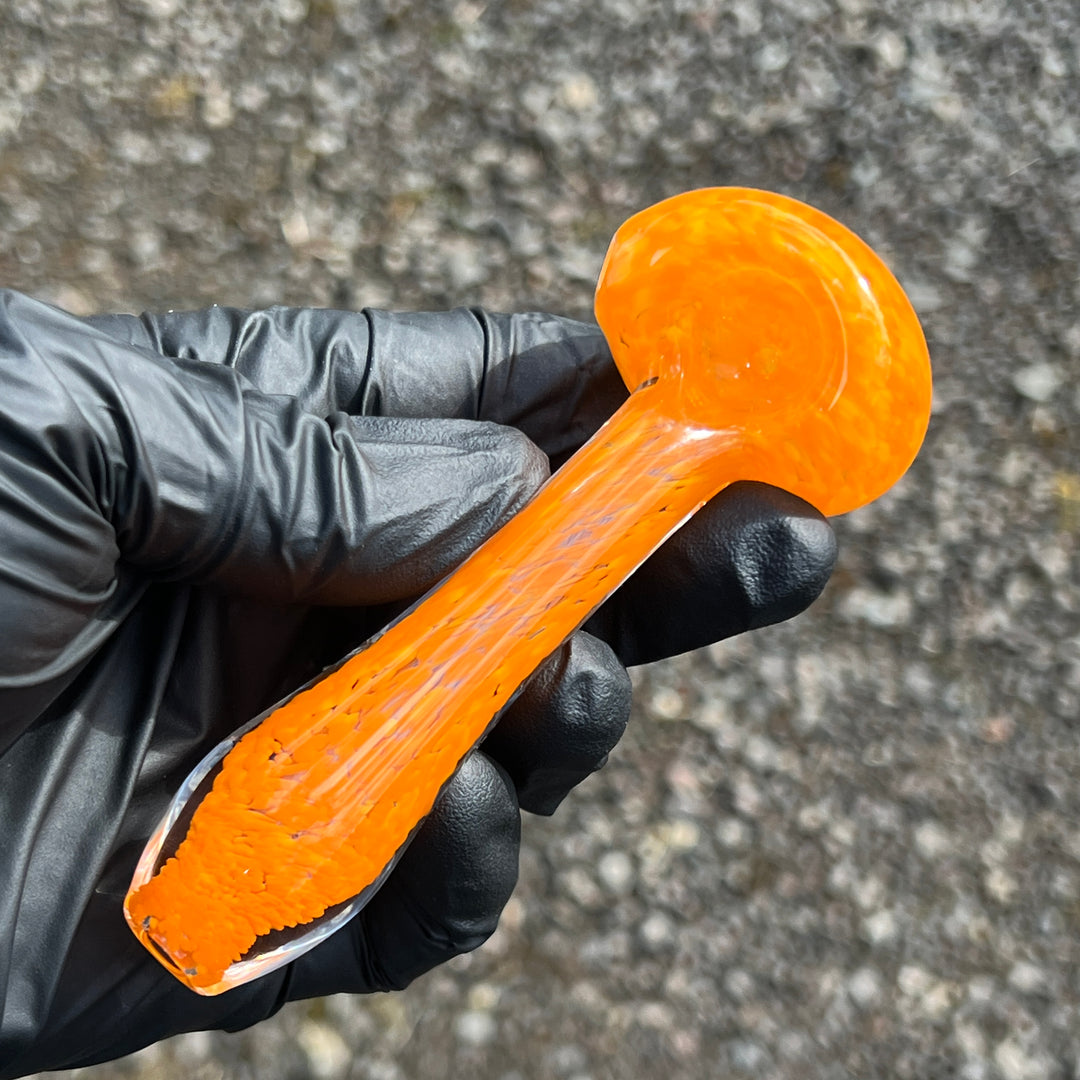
846	847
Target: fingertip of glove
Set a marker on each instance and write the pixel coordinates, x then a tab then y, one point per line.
528	464
475	831
565	723
784	552
480	797
505	457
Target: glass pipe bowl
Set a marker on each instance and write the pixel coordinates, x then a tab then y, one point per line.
802	338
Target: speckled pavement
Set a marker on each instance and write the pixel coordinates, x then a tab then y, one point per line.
847	847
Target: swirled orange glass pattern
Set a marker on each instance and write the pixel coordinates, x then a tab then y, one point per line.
760	340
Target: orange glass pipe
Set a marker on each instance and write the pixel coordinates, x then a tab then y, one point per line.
761	340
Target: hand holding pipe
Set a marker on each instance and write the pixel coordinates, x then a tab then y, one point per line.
761	340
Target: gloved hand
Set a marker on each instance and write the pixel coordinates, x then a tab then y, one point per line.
200	511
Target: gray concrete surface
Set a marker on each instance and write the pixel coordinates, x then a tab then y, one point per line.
848	847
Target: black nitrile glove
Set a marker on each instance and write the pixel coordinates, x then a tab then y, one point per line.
200	511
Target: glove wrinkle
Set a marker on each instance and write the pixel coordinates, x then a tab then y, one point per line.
488	353
548	376
553	379
64	782
317	357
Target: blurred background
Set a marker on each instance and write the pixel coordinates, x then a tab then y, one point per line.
847	847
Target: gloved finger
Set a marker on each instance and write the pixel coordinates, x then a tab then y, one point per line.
552	378
443	898
753	556
352	511
204	478
564	723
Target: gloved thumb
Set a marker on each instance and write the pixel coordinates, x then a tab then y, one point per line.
229	485
205	478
